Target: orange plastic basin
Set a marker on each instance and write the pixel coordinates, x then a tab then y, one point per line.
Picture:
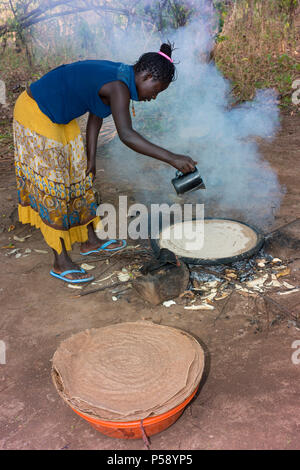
132	429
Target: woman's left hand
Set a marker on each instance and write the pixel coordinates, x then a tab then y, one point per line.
92	131
91	168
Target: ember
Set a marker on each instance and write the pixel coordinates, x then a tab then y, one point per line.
257	275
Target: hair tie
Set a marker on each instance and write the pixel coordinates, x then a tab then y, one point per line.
166	56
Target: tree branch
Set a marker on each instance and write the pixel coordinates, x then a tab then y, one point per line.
41	9
33	21
39	14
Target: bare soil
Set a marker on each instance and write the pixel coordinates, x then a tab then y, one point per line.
249	395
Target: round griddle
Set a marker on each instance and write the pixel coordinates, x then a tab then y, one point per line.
234	241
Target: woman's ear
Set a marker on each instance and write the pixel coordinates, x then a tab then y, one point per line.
147	76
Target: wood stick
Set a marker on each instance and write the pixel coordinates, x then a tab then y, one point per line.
282	309
108	268
129	252
223	307
267	235
99	289
268	313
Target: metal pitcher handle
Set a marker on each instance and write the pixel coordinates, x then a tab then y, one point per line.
179	173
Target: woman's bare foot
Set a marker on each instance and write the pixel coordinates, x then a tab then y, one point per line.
63	262
93	242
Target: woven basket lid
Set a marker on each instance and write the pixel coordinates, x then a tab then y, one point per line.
127	371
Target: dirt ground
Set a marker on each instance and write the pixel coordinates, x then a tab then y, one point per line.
249	395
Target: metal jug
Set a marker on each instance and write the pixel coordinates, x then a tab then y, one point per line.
185	183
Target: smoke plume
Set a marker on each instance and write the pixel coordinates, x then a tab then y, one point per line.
195	117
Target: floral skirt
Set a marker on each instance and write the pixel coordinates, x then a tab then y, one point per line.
54	193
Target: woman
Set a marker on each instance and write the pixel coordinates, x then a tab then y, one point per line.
54	174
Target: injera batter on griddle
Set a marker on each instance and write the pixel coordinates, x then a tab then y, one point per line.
222	239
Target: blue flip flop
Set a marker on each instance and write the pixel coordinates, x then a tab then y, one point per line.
72	281
102	247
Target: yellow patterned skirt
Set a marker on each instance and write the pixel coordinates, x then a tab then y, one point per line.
54	193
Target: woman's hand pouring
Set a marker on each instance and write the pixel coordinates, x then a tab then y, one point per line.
183	163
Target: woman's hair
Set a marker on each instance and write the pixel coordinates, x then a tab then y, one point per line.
159	66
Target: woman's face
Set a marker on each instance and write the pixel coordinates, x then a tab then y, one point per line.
147	87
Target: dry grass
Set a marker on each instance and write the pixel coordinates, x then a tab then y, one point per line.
16	74
258	48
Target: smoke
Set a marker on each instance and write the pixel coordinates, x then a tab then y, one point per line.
195	117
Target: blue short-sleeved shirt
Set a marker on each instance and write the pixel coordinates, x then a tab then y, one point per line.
71	90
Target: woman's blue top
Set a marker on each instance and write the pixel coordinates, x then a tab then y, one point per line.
71	90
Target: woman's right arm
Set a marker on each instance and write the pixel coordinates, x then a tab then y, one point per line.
119	98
